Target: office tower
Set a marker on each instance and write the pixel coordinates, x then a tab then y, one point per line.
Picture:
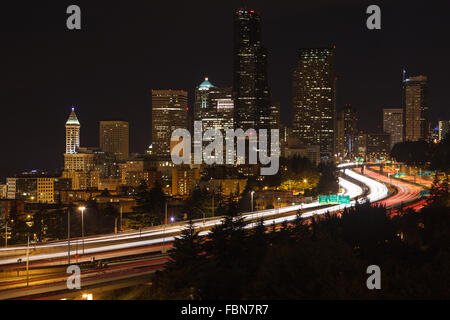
114	138
214	107
314	99
285	134
393	124
415	108
350	128
72	133
378	145
250	84
360	145
204	104
274	116
169	112
340	136
444	128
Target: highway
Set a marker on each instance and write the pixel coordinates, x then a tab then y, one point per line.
150	242
47	280
407	192
158	235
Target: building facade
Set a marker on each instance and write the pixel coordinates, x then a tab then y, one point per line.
444	128
214	107
114	138
250	84
169	112
72	133
393	124
313	99
79	163
415	108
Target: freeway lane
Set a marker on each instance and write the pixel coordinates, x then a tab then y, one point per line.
376	191
157	235
407	192
55	282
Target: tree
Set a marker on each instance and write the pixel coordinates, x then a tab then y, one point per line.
150	206
181	279
329	182
412	152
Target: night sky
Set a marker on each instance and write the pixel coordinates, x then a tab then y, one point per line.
124	49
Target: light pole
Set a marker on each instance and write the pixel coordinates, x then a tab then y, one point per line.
68	235
278	205
28	257
6	233
213	204
251	199
29	224
164	232
120	218
82	224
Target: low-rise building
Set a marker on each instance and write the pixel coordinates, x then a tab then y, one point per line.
184	180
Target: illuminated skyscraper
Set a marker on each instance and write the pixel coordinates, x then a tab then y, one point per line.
415	107
169	112
393	124
213	106
444	128
72	133
314	99
78	162
114	138
250	84
274	118
340	149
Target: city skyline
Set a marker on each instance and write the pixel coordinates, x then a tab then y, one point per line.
213	151
132	101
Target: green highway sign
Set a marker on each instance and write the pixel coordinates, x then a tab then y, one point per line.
344	199
398	175
333	198
323	199
425	173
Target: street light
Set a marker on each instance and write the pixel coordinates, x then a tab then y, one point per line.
164	232
68	235
82	224
251	196
29	224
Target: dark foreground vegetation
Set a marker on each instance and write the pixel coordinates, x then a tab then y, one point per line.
322	258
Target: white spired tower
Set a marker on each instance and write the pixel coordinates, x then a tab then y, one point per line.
72	133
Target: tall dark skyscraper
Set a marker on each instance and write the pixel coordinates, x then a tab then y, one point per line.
350	128
313	99
250	84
